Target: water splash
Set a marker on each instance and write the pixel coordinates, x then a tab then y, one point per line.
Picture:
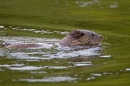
83	52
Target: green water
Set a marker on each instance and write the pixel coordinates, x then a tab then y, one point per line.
110	18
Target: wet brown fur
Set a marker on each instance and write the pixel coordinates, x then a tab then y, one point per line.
81	38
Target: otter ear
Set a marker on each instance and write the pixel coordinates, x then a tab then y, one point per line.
76	34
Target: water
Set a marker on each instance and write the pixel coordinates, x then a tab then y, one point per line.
49	62
44	60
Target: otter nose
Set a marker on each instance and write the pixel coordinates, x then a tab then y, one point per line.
101	37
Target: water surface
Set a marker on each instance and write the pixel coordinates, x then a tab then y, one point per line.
47	63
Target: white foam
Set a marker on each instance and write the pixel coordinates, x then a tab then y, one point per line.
23	56
22	39
2	53
127	69
51	79
17	65
5	65
90	78
84	4
25	68
107	73
84	52
12	42
114	6
11	65
36	72
106	56
83	63
41	31
1	26
96	74
58	54
46	45
58	67
64	33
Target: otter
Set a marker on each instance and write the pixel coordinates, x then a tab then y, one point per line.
81	38
72	39
24	45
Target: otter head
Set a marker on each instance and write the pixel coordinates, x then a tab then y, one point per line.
94	38
80	38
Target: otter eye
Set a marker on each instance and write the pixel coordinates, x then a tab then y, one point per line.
93	34
82	34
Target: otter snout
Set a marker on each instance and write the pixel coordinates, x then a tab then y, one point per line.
101	37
